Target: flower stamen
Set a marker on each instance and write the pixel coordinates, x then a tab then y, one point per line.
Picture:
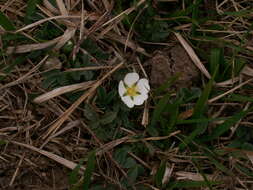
132	91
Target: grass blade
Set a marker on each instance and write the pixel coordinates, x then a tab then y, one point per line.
198	114
200	120
195	16
159	108
239	98
191	184
73	176
201	103
89	169
166	85
224	127
215	60
159	174
173	110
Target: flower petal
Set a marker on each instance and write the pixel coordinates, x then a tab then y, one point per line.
131	78
128	101
143	86
139	100
121	88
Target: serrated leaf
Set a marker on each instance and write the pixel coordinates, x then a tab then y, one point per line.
108	118
51	78
121	155
129	163
90	114
132	174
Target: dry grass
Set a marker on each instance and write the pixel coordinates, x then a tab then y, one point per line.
45	132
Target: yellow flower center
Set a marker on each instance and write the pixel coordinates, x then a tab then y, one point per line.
132	91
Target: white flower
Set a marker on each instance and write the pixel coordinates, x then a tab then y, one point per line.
133	91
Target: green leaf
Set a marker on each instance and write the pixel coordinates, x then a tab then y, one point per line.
191	184
129	163
120	155
238	66
239	98
173	110
195	16
222	42
89	170
189	95
167	84
110	96
212	156
159	174
201	103
2	142
30	10
200	120
215	60
133	174
92	47
159	108
108	118
90	114
198	113
247	146
73	176
224	127
6	23
239	13
199	168
200	128
51	78
103	187
101	93
246	171
8	69
98	187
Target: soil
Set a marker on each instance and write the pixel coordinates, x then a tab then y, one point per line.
170	61
35	172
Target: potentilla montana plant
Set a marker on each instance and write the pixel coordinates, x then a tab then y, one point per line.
133	90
